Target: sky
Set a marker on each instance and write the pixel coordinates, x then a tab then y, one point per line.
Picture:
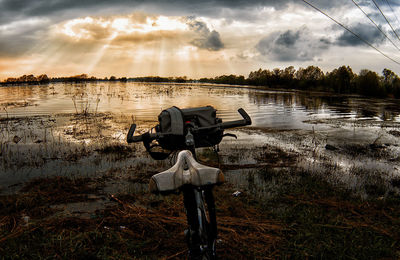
134	38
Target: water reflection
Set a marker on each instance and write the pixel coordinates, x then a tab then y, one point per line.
279	109
320	104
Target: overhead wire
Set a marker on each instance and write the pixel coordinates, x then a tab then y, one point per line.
392	11
350	31
359	7
386	19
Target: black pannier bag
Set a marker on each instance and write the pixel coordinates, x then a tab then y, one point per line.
172	123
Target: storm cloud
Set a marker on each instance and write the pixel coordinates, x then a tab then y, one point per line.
206	39
27	12
369	33
251	33
292	45
18	37
11	10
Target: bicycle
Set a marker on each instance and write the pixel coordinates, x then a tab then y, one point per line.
195	181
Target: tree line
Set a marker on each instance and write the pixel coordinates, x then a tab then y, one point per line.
44	79
341	80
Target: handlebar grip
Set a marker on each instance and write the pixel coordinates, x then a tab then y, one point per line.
130	138
232	124
245	121
245	116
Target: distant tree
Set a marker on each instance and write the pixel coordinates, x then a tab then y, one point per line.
43	79
180	79
391	82
396	88
113	78
31	79
313	73
260	78
388	76
11	80
369	84
309	77
22	78
276	76
340	80
287	76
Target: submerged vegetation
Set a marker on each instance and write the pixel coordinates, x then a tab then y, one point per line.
294	201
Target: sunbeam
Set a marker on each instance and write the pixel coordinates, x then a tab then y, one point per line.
94	61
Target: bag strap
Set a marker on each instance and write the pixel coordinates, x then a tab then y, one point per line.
176	120
154	155
177	127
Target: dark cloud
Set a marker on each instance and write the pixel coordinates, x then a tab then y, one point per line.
13	48
211	42
288	38
66	9
14	41
17	38
197	26
365	31
298	45
325	41
206	39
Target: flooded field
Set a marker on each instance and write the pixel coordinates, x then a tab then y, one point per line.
144	101
76	134
80	130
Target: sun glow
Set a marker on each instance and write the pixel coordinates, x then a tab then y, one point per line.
120	24
98	27
136	44
77	28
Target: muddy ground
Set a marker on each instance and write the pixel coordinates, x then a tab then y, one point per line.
72	188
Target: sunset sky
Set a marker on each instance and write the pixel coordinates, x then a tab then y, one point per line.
193	38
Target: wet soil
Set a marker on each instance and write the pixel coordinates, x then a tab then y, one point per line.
72	188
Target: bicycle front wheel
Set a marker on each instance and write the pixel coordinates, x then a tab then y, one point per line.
206	231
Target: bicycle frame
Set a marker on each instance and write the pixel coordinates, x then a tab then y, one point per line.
202	234
198	198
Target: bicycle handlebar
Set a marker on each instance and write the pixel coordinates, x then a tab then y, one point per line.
130	138
152	136
245	121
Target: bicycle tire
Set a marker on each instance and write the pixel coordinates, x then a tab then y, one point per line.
207	252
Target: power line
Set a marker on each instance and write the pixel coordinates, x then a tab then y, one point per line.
386	19
392	11
347	29
376	25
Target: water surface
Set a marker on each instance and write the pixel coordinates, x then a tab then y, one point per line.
61	129
144	101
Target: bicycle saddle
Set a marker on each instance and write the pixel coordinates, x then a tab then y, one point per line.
186	171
